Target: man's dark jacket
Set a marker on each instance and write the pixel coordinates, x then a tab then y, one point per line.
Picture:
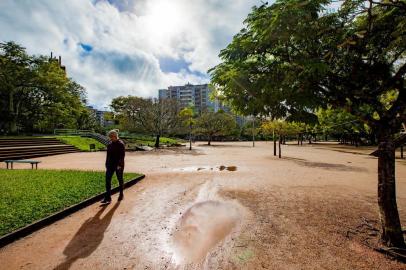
115	154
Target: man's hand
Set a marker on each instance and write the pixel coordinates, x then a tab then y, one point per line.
119	167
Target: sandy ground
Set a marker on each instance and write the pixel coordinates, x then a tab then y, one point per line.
229	206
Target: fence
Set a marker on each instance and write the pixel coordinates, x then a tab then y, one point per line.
71	132
101	138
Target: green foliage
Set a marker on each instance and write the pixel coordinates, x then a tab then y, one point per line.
292	58
86	120
212	124
252	127
35	94
339	121
187	116
81	143
29	195
281	127
125	110
289	60
149	116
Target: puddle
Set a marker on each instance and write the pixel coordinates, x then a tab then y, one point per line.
232	168
206	168
201	228
228	168
193	169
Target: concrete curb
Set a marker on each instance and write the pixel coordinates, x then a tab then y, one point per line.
37	225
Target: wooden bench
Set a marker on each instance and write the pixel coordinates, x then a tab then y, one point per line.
11	161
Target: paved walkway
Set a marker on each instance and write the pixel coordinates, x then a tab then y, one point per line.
229	206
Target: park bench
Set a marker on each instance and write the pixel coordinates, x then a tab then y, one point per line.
11	161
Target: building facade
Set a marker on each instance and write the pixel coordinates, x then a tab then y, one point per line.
192	95
199	97
163	93
58	61
97	115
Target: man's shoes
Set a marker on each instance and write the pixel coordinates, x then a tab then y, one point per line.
105	201
121	197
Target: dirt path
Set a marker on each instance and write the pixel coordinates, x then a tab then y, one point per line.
230	206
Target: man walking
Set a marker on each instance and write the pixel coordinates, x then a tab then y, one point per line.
114	164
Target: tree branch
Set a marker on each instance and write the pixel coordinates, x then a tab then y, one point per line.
397	4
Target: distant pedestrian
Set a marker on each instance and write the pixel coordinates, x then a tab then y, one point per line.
114	164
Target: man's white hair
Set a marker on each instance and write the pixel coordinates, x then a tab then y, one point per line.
113	132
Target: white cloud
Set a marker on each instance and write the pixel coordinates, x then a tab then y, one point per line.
128	39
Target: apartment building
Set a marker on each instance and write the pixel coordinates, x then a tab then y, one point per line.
192	95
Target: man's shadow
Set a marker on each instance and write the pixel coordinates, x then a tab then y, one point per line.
88	237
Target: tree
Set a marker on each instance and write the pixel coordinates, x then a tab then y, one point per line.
87	120
292	58
187	116
213	124
343	125
156	116
126	110
251	129
16	78
58	102
300	129
282	129
35	92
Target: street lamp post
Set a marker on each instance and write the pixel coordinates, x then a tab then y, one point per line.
190	133
253	132
274	142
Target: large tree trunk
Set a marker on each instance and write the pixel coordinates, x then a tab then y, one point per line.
209	141
13	125
373	139
13	116
157	141
392	235
280	154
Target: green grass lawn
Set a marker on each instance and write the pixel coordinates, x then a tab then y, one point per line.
81	143
30	195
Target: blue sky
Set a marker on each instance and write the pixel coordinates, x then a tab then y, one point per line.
126	47
87	48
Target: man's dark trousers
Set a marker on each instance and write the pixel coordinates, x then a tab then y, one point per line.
109	174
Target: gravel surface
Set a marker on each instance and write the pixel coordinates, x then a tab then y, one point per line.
229	206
